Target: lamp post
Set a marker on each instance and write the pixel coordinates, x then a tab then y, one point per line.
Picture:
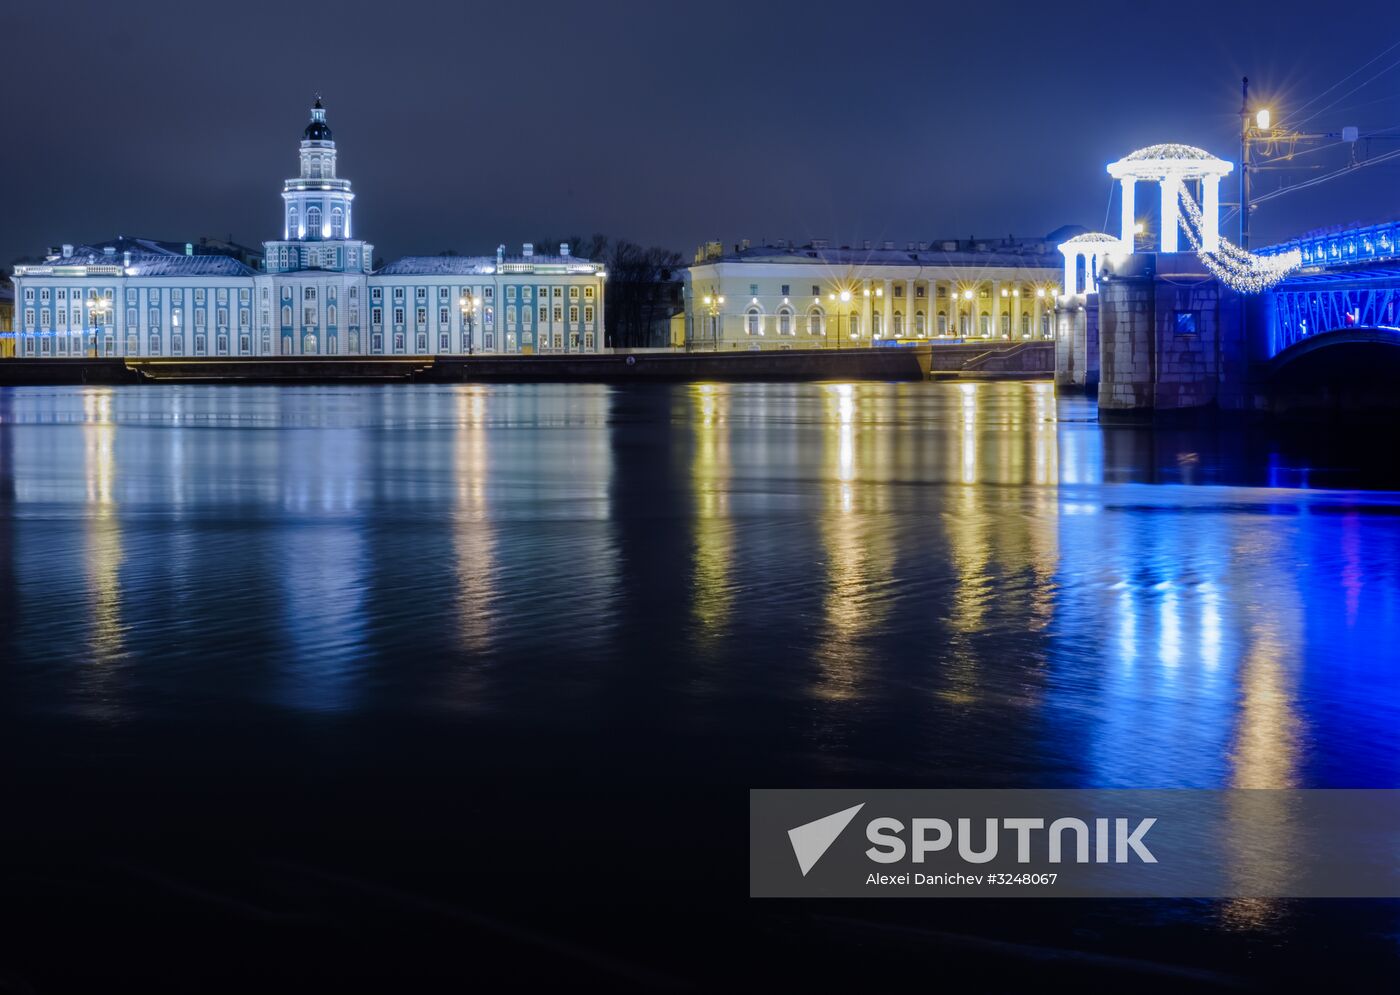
468	304
98	311
714	306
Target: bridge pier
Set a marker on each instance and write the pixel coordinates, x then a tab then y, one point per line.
1077	342
1172	339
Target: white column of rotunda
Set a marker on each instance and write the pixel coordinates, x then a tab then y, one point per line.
1170	166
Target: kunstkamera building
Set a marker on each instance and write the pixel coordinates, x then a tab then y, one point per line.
316	294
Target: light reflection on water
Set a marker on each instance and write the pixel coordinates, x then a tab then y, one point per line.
909	583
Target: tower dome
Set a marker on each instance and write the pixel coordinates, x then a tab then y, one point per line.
317	130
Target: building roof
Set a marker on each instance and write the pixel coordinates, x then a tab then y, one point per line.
477	265
1025	253
144	257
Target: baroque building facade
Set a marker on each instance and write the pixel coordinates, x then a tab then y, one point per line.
315	294
819	296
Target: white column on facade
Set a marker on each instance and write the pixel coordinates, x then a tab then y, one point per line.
867	293
1071	260
1170	222
997	309
1210	213
1129	191
886	310
909	308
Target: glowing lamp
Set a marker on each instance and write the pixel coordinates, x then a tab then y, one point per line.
967	295
1263	119
846	295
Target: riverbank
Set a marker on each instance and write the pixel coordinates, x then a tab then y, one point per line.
972	360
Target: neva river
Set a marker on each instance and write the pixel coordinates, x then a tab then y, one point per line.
297	666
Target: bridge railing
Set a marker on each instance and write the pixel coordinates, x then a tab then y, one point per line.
1339	248
1317	308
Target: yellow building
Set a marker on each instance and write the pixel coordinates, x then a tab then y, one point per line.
788	296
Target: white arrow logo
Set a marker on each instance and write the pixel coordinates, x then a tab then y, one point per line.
812	840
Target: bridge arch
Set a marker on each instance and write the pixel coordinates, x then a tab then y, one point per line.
1344	356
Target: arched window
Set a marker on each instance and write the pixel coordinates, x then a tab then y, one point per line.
785	321
853	325
986	325
753	321
816	321
313	222
920	329
286	316
898	324
875	325
1006	326
942	322
337	223
1025	326
330	314
291	231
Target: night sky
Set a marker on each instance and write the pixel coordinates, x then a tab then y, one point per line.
467	124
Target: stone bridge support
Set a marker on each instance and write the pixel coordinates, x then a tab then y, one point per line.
1077	342
1171	339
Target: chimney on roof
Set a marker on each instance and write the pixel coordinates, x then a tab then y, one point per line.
109	251
908	246
126	259
564	249
865	245
923	246
500	256
887	245
820	243
189	249
67	252
529	250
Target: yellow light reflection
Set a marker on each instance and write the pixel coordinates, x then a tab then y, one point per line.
711	471
473	535
103	557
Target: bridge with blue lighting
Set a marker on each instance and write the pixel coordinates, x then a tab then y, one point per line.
1348	284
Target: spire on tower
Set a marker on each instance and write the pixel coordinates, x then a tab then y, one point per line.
317	130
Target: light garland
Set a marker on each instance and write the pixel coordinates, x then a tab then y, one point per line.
1236	267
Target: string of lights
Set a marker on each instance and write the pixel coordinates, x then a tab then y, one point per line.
1235	267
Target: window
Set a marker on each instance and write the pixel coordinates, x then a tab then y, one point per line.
337	223
313	221
785	322
853	325
899	290
1185	322
753	321
573	314
573	293
330	314
398	293
588	314
544	314
131	318
421	317
221	317
421	293
816	290
489	293
199	296
919	292
875	325
309	294
558	310
154	345
442	293
488	317
201	317
398	317
588	293
558	292
753	290
898	325
444	316
787	290
942	323
376	316
920	328
308	316
1025	326
376	294
510	316
1006	326
420	343
814	321
44	316
510	292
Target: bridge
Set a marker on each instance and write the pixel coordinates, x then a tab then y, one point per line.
1349	281
1306	324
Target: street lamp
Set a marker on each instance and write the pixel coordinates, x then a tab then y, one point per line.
98	311
714	305
468	304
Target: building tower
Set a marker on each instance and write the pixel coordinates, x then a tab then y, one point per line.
317	211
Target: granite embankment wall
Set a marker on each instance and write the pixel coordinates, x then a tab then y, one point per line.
1035	359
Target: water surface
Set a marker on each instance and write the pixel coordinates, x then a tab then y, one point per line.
267	644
